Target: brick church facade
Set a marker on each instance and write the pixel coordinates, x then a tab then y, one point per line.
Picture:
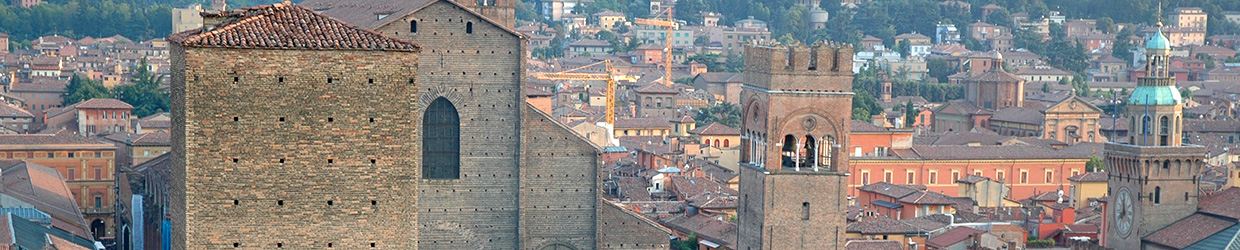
411	130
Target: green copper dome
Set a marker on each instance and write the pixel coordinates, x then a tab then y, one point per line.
1155	95
1158	41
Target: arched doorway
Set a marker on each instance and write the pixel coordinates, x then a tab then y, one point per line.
98	229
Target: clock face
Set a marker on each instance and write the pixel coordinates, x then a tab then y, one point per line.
1123	212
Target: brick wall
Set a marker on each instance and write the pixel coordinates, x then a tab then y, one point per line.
268	154
478	72
559	186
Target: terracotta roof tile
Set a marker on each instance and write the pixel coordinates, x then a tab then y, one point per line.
952	237
62	137
10	110
705	227
973	179
890	190
715	129
655	88
157	138
880	225
590	43
929	222
103	103
995	76
862	126
643	123
873	245
44	188
1222	203
286	26
927	198
1090	177
1187	231
1019	115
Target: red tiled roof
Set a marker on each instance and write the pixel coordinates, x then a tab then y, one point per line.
40	85
873	245
973	179
590	43
1090	177
655	88
157	138
862	126
890	190
1222	203
59	138
928	198
705	227
1187	231
684	119
44	188
103	103
952	237
996	76
286	26
10	110
880	225
643	123
715	129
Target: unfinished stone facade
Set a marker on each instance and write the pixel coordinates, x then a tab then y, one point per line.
797	104
451	167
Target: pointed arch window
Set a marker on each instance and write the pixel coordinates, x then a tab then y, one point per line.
441	141
1164	125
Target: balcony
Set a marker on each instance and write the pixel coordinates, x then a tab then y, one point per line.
97	210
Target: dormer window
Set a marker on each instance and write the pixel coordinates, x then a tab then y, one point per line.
381	16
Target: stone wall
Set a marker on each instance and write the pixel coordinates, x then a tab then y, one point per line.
623	230
293	148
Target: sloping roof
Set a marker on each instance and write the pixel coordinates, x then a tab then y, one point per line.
643	123
873	245
1042	70
929	222
684	119
1187	231
286	26
103	103
705	227
721	77
59	138
157	138
10	110
951	237
889	189
880	225
862	126
1019	115
1222	203
995	76
1090	177
958	152
715	128
655	88
365	13
44	188
928	198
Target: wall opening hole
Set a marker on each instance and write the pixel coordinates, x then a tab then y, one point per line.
329	202
330	161
374	202
281	160
372	80
281	118
280	202
235	160
372	161
372	119
281	79
372	244
280	245
236	202
236	244
330	119
236	119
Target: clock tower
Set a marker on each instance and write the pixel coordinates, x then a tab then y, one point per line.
1153	177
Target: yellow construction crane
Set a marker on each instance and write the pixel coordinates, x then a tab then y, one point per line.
667	53
611	76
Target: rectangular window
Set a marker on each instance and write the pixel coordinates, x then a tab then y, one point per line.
1050	176
910	178
1000	175
98	174
70	154
1024	177
805	211
887	177
955	176
72	175
98	202
933	177
865	178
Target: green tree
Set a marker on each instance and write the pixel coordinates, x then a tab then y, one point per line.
1046	88
1001	17
688	244
910	114
1105	25
724	113
144	92
903	47
940	69
81	88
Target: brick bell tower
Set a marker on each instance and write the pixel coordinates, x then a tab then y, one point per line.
1153	177
797	104
503	12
